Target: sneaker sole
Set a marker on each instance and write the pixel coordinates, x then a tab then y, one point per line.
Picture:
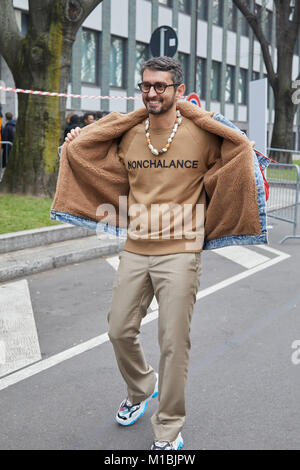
180	445
126	423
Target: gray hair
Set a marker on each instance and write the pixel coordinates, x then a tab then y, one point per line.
165	64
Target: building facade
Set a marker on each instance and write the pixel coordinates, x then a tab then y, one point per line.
216	47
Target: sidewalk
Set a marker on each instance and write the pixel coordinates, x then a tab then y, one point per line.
32	251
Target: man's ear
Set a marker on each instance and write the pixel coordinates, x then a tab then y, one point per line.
180	91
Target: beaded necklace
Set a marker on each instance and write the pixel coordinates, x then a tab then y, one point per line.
170	139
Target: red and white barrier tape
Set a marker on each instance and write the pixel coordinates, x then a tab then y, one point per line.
67	95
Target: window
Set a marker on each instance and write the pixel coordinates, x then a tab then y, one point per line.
244	27
232	16
203	9
269	26
117	57
215	81
243	87
184	6
233	20
24	23
229	84
255	76
89	58
142	54
184	60
217	12
167	3
201	77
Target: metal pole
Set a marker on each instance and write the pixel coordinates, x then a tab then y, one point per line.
297	201
196	44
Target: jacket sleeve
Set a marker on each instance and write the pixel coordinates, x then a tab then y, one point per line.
90	174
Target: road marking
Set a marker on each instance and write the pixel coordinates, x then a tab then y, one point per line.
114	262
241	255
271	250
52	361
242	275
20	345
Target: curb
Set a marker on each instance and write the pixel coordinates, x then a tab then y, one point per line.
41	236
32	261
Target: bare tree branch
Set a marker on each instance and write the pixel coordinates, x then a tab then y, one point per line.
10	36
73	11
260	36
76	11
79	10
90	5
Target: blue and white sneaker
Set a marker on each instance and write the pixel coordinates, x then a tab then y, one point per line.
128	413
168	445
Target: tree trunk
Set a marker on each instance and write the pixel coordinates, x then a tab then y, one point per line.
43	64
39	62
283	136
32	166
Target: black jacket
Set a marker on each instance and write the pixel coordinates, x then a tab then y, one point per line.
7	135
8	131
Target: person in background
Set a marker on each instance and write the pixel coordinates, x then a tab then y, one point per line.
100	114
7	135
69	115
88	118
74	122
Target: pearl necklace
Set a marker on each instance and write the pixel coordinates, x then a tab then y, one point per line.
166	147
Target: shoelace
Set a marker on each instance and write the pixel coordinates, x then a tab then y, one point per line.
127	404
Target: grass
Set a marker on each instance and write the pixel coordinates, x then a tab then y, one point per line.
282	173
19	212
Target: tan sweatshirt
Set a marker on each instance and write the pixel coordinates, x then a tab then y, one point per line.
167	200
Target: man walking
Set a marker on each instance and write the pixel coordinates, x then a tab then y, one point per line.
166	157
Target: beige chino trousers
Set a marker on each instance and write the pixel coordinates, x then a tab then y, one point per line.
174	280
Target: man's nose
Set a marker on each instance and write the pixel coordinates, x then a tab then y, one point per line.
152	93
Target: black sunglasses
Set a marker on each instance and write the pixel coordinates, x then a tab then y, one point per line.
160	88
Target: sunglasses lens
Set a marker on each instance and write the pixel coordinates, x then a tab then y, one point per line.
159	88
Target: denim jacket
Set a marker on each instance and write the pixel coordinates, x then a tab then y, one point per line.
260	162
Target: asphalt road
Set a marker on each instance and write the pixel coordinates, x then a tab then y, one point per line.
243	388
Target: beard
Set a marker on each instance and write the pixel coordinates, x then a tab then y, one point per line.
164	106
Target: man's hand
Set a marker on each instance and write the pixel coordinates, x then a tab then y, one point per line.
72	135
251	142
